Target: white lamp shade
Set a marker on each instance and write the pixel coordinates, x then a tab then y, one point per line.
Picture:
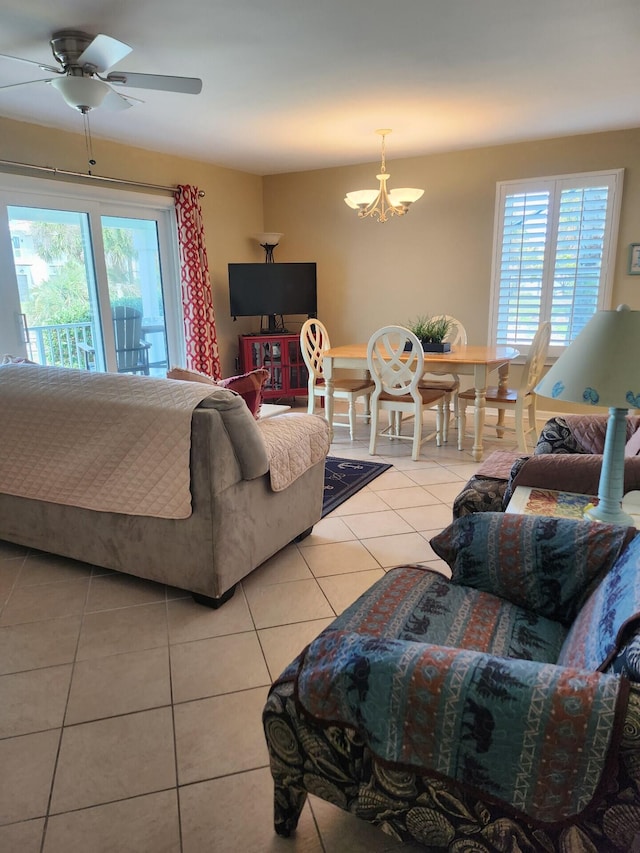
601	367
271	238
357	198
405	195
81	93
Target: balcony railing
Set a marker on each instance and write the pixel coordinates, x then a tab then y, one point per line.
57	345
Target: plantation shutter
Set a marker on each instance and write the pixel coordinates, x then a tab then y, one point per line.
553	255
524	240
578	260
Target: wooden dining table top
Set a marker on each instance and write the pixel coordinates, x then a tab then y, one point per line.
458	354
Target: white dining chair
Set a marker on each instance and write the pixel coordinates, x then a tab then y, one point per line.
448	383
518	400
314	341
396	373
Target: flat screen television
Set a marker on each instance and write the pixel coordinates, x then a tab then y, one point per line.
272	290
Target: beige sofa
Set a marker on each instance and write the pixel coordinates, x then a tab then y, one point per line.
236	520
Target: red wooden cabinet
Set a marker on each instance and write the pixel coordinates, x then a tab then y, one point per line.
282	356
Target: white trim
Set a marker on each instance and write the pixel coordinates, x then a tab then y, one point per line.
582	177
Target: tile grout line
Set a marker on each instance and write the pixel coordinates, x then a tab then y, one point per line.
173	724
64	715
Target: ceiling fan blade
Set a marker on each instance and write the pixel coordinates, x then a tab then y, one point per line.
114	101
185	85
31	62
103	52
28	82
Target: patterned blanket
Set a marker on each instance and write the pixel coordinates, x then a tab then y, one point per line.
537	737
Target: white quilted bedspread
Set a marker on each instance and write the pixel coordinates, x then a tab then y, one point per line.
95	441
295	443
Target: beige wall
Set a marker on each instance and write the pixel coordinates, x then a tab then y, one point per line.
435	259
232	206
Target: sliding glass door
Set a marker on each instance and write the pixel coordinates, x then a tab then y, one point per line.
89	284
59	311
135	294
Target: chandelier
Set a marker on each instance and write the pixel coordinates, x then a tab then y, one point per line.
382	203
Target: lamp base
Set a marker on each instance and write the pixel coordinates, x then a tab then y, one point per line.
609	517
611	487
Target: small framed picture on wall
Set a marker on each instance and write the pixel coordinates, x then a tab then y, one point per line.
634	259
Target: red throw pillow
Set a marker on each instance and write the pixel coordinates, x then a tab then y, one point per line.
249	386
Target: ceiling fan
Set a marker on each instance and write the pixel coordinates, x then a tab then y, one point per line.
85	81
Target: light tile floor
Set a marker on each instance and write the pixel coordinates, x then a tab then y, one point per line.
130	716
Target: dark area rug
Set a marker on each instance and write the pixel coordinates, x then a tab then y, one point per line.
344	477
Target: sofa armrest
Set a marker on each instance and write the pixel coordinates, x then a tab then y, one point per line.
471	717
248	445
294	442
480	494
571	473
487	490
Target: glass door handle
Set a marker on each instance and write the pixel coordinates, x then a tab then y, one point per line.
24	327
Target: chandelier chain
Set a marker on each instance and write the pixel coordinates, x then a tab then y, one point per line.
383	164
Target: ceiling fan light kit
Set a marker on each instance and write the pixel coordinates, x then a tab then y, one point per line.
84	58
381	203
81	93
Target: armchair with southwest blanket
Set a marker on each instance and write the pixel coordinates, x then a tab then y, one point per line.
496	710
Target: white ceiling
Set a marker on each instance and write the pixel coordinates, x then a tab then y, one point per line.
292	85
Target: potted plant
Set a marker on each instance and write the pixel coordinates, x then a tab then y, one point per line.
431	332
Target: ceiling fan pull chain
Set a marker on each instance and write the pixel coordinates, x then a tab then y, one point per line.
87	139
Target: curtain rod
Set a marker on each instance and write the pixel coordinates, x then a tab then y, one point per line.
89	177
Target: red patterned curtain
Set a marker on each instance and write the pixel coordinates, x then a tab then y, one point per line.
197	303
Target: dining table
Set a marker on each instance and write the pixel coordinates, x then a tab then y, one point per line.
476	361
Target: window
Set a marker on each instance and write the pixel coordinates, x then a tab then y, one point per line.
78	260
554	253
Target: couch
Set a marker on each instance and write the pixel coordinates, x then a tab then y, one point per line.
567	457
171	481
498	710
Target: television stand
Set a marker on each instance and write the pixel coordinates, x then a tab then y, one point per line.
280	353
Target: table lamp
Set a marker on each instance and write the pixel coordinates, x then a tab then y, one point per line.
602	368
